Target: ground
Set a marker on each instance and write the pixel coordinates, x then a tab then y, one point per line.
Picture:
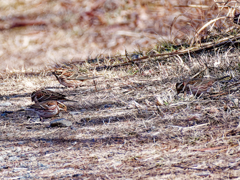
124	126
129	123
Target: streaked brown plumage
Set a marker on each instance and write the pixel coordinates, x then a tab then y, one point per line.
46	95
47	109
70	77
197	86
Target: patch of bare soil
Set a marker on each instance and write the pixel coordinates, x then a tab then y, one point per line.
130	125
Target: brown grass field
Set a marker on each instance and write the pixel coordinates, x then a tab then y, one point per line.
129	123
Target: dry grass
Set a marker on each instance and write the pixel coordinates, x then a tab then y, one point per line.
132	126
48	32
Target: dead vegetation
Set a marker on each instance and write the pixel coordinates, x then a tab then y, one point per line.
130	124
41	33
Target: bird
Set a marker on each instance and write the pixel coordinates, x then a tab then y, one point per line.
68	70
47	109
46	95
70	76
197	86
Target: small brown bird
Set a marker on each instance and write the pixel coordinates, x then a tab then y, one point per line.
47	109
68	70
46	95
70	77
197	86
